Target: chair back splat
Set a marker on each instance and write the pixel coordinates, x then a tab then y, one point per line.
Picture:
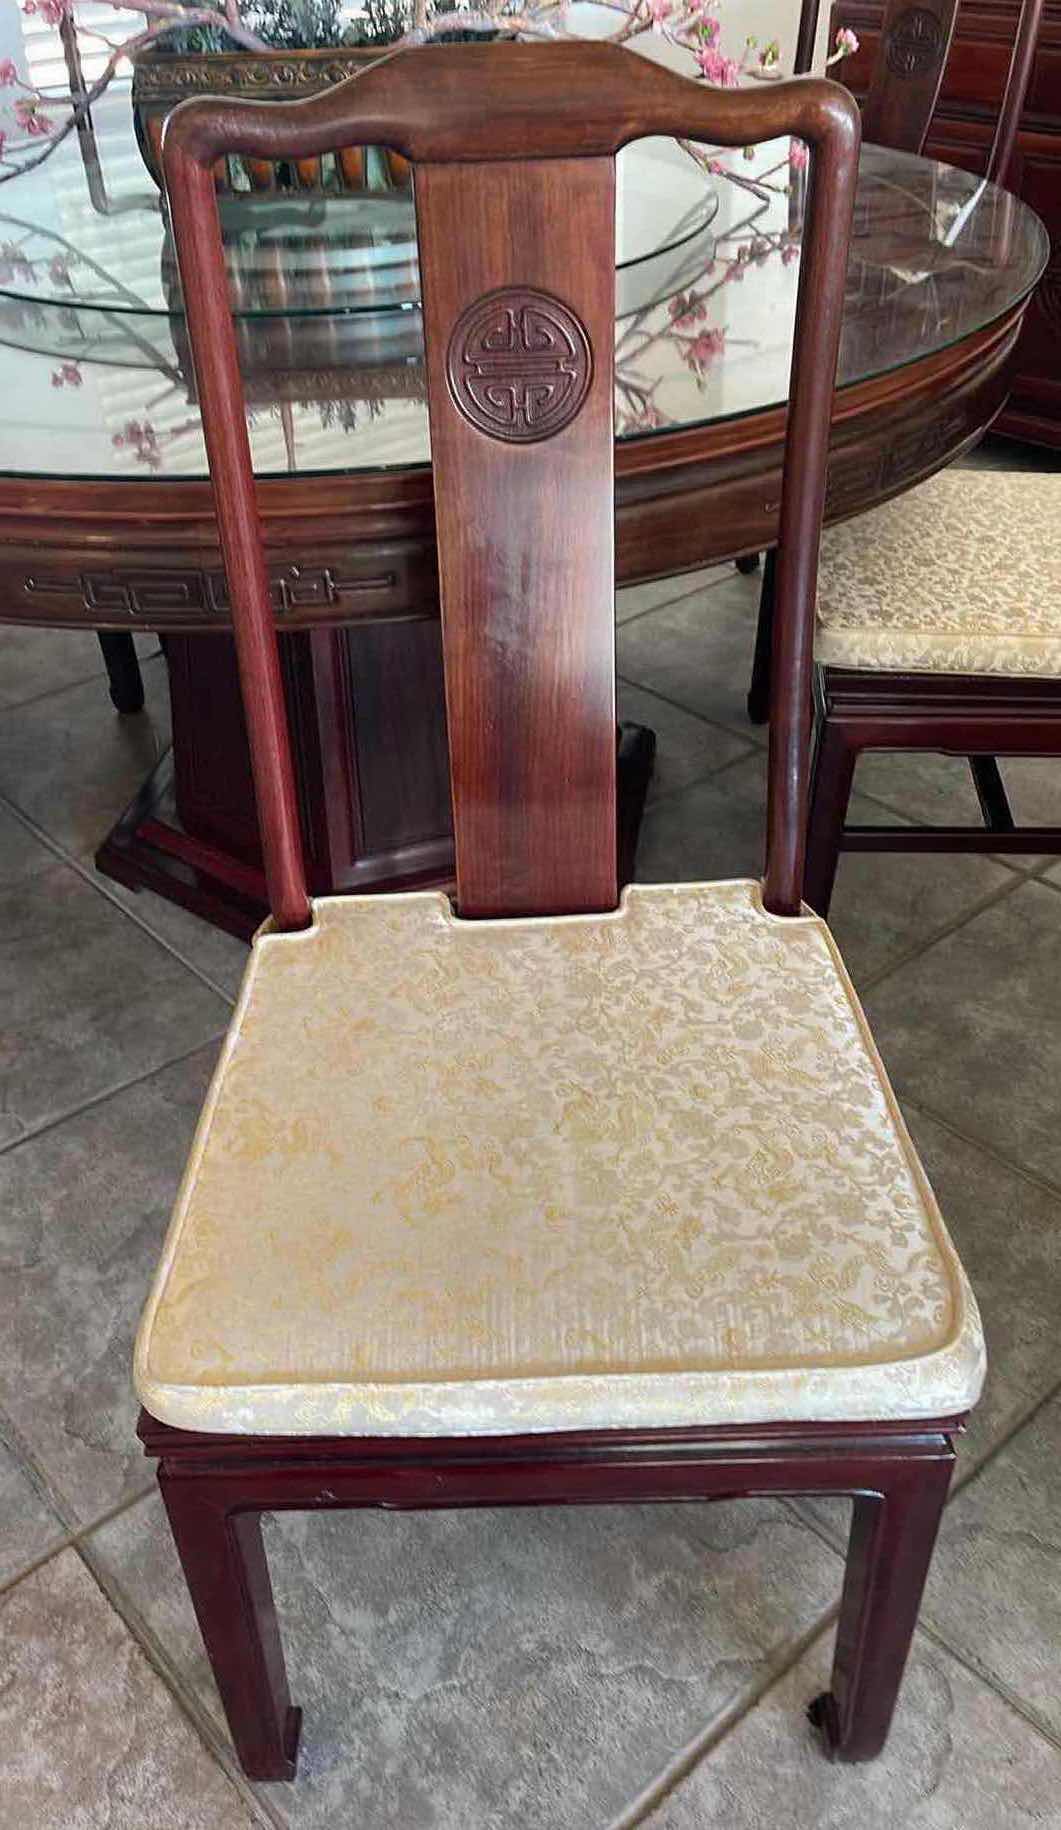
908	74
513	149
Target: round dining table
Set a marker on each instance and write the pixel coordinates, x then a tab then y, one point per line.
106	516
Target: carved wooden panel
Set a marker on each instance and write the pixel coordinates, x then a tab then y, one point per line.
960	132
519	364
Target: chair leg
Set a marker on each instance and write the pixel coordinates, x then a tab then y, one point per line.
830	791
991	793
892	1538
123	670
759	691
223	1559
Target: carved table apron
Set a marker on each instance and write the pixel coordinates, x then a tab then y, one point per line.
353	568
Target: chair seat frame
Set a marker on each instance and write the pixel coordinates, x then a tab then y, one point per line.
215	1487
976	717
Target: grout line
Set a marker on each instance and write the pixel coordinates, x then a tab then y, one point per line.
34	1471
52	692
102	888
991	1681
1010	861
99	1099
745	733
1041	1182
30	1569
754	745
209	1732
991	1455
1009	888
669	602
677	1770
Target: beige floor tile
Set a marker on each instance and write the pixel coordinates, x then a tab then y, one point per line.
21	854
958	1759
994	1593
88	999
1008	1235
687	748
507	1668
29	1527
697	652
73	763
634	600
90	1739
37	661
83	1211
220	957
971	1030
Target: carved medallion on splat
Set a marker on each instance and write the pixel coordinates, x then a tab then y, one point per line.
519	365
915	42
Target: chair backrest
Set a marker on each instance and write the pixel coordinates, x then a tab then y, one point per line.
912	56
513	150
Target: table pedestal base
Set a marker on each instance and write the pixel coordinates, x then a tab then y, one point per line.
373	787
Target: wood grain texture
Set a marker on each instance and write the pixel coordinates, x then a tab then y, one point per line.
526	545
914	45
470	106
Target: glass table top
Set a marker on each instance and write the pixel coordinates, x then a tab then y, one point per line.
95	376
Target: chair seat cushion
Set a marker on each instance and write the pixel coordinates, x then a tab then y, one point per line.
641	1168
960	576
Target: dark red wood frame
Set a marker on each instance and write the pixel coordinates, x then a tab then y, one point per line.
908	74
976	717
500	136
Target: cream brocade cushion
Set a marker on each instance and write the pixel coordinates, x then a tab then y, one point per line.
961	575
639	1168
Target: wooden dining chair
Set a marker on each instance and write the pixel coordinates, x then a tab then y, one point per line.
897	112
548	1197
938	627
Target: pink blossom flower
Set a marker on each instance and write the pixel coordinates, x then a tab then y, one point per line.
789	253
701	352
59	270
724	72
686	309
30	119
68	376
846	42
141	436
659	13
8	73
53	12
798	155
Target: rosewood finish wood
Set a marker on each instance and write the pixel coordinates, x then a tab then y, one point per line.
950	714
515	199
215	1486
520	389
915	41
430	108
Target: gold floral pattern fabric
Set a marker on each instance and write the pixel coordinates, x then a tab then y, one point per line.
961	576
637	1168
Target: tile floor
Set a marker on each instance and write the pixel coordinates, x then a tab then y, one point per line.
587	1671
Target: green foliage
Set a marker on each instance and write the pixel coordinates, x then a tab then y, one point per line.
309	25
